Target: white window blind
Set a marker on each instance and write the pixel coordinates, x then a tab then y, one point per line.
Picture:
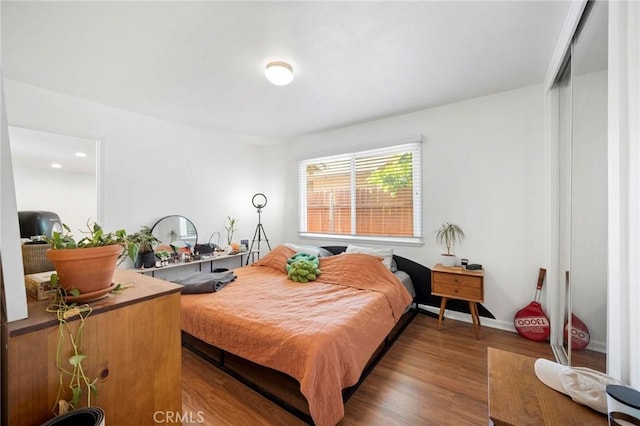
374	194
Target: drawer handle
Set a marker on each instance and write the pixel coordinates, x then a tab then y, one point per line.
455	290
455	280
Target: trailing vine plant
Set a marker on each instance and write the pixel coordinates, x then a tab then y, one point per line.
71	371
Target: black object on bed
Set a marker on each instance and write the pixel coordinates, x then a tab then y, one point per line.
421	277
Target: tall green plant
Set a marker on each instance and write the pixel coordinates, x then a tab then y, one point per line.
448	235
231	228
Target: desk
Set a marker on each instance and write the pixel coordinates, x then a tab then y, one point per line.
198	262
454	283
518	397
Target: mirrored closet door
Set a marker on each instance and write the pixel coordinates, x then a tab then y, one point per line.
582	89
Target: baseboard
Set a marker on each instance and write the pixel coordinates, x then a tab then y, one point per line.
500	325
464	317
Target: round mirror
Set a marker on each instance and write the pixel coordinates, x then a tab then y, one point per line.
175	231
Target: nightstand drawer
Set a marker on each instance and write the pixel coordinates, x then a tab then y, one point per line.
457	291
457	280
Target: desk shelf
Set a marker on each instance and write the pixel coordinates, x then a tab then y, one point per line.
211	260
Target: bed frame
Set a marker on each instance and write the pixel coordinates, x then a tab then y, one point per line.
296	405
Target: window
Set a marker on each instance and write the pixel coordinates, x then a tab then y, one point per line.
370	195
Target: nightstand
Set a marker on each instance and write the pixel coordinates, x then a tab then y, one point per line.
458	283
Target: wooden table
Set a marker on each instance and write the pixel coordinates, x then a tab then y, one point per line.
458	283
518	397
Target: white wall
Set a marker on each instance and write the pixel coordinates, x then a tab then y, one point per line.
483	168
14	297
623	332
64	193
151	168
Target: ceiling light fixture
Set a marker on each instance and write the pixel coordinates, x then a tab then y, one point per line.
279	73
56	165
80	154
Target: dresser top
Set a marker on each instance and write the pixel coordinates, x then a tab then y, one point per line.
457	270
141	288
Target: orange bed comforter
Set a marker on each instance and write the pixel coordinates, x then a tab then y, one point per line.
321	333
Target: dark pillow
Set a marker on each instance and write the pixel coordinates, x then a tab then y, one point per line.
323	252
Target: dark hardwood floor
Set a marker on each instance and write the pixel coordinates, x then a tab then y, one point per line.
428	377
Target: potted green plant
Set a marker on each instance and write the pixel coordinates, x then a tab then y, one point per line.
140	247
84	271
85	267
448	235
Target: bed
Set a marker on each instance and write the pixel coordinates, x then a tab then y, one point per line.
324	334
321	333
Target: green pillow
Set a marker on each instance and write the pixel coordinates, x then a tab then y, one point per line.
303	267
302	256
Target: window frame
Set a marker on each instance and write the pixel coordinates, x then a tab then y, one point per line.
414	144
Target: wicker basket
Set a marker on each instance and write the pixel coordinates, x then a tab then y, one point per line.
34	258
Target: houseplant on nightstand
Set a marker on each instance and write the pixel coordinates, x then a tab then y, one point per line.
448	235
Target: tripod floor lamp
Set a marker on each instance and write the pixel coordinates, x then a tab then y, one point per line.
259	201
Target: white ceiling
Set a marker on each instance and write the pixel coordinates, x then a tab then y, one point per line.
201	63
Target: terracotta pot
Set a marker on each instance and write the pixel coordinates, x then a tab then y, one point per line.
89	270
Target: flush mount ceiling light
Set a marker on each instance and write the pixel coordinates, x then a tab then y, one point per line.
279	73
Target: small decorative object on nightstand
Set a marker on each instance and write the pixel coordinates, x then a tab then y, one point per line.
458	283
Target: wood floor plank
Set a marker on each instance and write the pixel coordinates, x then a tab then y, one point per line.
428	377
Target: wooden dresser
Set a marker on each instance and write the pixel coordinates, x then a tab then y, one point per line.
457	283
132	343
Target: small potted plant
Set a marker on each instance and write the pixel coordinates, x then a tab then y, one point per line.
140	247
231	228
448	235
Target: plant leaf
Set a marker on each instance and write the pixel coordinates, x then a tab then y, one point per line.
76	359
76	392
63	407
